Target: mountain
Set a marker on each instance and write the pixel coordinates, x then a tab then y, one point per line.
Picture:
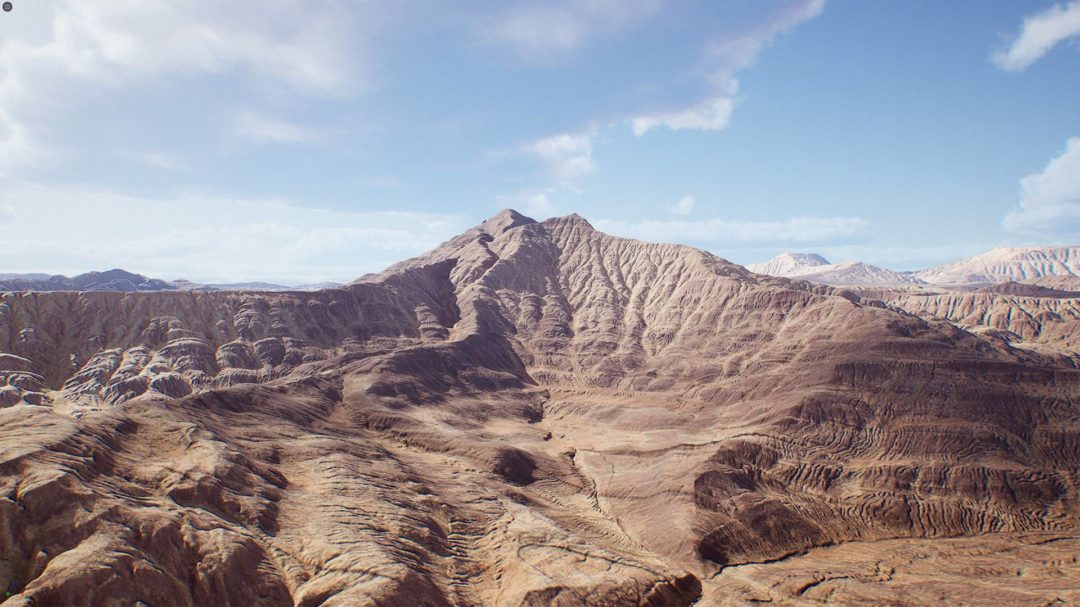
533	413
124	281
118	280
815	268
855	273
1025	289
1023	316
1062	283
1007	264
111	280
790	264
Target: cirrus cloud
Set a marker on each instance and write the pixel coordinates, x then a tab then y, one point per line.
724	57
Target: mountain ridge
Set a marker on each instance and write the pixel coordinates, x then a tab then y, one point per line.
1018	264
815	268
532	413
1056	267
124	281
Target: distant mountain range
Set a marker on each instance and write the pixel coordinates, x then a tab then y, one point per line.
790	264
124	281
815	268
1005	264
1051	267
1055	268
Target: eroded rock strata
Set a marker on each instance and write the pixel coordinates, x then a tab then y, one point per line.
531	414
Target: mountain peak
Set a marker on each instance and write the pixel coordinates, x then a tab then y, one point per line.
789	264
571	220
505	220
815	268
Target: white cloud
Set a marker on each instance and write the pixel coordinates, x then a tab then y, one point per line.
723	231
731	54
206	238
260	128
568	156
1040	33
541	33
567	159
298	44
724	57
7	215
80	51
1050	200
712	115
685	205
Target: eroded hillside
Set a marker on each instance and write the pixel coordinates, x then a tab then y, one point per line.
531	414
1048	321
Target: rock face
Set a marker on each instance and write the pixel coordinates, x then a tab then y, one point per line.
1007	264
531	414
815	268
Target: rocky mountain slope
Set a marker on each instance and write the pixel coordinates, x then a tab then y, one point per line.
1059	283
531	414
815	268
1045	321
1007	264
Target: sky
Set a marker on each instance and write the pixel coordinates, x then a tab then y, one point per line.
305	141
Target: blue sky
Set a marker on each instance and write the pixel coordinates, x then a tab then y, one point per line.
307	141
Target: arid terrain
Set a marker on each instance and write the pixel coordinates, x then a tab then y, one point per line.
537	413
